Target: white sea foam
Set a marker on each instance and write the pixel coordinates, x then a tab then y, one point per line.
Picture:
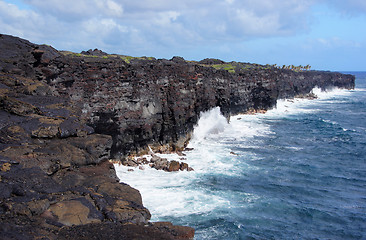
180	193
176	193
210	124
330	93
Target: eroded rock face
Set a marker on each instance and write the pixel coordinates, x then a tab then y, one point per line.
143	102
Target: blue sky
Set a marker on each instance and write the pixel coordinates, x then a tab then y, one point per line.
326	34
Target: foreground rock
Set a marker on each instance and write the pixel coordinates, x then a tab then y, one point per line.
56	181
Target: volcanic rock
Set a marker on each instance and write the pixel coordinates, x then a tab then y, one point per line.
64	115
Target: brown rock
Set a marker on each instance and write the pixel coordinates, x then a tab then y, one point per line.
173	166
72	213
159	163
179	232
46	132
183	166
17	107
126	212
39	206
5	167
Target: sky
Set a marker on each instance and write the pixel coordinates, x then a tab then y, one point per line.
326	34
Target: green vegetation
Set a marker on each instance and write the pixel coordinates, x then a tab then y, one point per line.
125	58
226	66
72	54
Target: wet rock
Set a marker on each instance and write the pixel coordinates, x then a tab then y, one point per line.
160	164
173	166
183	166
179	153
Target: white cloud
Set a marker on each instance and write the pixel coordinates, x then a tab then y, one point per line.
22	23
153	27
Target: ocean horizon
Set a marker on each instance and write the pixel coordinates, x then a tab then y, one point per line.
297	171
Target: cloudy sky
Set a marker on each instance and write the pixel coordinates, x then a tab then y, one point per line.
327	34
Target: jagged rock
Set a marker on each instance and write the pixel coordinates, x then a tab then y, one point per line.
52	155
160	164
173	166
179	232
115	231
211	61
95	52
17	107
183	166
46	132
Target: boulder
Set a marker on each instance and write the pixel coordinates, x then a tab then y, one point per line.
174	166
183	166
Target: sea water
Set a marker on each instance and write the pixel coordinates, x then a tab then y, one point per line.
295	172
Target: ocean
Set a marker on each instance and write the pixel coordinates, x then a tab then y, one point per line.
296	172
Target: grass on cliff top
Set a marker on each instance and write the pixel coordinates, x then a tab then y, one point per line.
226	66
125	58
236	67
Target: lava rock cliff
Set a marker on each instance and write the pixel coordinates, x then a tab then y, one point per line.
64	115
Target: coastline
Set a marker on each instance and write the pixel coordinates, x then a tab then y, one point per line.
187	196
64	115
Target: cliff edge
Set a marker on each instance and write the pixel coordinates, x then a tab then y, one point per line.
65	115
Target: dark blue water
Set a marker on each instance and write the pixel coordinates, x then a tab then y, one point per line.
297	172
305	179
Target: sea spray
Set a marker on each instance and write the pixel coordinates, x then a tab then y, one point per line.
211	123
260	176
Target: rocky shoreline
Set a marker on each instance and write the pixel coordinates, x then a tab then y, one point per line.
64	116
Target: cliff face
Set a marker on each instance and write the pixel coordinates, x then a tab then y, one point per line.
158	102
55	178
64	114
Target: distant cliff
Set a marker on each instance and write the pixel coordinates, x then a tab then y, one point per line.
64	113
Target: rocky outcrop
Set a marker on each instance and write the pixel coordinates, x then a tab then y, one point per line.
63	115
56	180
158	163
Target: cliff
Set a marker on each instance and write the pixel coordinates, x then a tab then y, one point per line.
63	115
